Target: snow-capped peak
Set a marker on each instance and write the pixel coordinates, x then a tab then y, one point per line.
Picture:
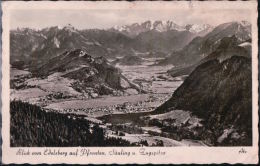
197	28
147	25
160	26
119	28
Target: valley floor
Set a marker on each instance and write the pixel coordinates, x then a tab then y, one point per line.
126	116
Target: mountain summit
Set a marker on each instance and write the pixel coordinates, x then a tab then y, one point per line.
87	72
161	26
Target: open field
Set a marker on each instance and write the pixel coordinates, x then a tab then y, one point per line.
54	83
31	95
152	78
179	116
97	103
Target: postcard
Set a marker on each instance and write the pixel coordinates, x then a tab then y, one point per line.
130	82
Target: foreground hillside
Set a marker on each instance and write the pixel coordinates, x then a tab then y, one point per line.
33	127
219	92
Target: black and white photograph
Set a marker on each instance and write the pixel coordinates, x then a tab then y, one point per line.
130	77
145	81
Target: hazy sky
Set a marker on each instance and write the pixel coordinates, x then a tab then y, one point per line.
84	19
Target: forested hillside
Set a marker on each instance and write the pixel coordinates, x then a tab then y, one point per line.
33	127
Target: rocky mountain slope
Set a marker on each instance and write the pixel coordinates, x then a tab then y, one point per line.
231	44
165	41
200	47
22	43
87	72
53	42
219	91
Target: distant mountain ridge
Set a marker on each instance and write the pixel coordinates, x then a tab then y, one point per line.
227	48
29	47
34	47
42	45
160	26
200	47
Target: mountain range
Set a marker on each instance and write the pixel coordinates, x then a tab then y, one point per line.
219	90
161	26
33	47
186	59
200	47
